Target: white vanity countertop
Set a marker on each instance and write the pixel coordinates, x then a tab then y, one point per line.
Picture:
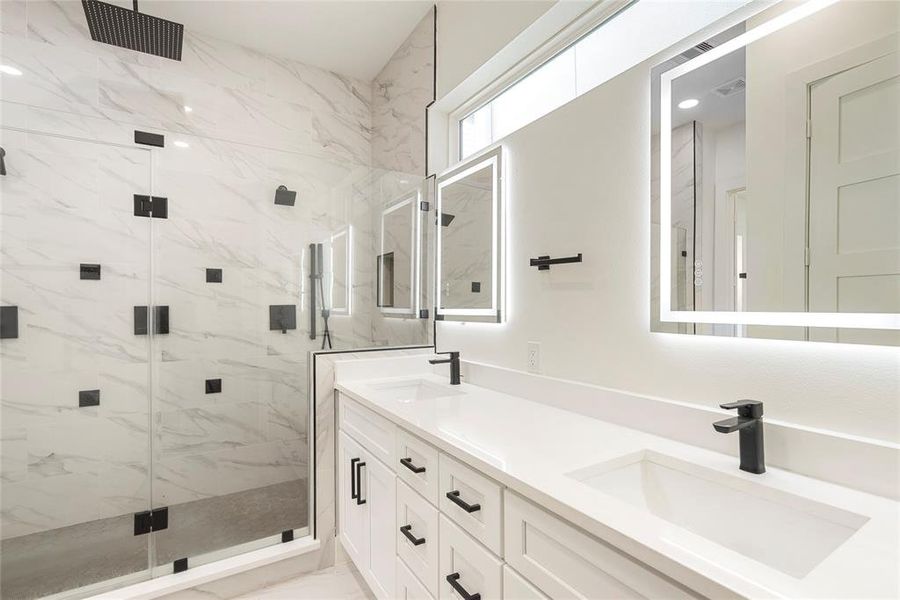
529	447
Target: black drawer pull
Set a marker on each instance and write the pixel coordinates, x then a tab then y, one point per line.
359	498
453	580
455	499
407	462
353	493
407	531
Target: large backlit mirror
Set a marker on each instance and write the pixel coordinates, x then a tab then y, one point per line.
469	241
777	189
397	262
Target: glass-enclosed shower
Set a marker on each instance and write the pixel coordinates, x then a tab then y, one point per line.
157	296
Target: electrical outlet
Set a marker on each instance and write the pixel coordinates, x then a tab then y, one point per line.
534	357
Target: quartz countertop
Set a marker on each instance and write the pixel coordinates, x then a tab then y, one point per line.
529	447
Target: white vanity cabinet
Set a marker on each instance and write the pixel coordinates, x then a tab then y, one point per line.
367	499
421	524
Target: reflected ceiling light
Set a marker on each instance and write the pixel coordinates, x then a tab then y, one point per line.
689	103
188	109
9	70
181	144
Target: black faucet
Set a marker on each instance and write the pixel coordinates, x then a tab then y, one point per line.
749	424
454	365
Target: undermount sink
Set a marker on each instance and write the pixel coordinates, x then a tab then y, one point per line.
786	532
413	390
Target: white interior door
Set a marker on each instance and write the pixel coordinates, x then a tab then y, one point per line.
854	196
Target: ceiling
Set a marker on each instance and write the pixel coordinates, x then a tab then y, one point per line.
351	37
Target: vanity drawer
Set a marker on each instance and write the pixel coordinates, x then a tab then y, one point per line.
421	518
374	432
515	587
417	465
476	503
472	569
408	587
564	562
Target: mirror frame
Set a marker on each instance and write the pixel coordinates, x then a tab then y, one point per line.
347	234
492	157
413	199
887	321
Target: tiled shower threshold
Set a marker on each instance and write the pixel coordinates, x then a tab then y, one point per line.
72	557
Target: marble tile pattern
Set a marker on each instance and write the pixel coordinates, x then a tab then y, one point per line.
256	122
399	96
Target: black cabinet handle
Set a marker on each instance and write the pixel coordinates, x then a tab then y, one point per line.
453	580
407	531
353	493
407	462
359	498
455	499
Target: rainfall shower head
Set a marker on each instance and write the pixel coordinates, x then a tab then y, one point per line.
285	196
111	24
446	219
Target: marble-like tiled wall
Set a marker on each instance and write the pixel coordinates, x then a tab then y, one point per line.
256	122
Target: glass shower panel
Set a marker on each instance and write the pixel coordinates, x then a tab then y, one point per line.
74	371
230	407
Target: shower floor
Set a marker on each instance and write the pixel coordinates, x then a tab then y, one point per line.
61	559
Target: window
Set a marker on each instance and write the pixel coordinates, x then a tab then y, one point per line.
631	36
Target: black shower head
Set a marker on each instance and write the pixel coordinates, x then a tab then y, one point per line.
446	219
285	196
111	24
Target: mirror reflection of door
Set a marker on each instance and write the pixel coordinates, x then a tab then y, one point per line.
854	196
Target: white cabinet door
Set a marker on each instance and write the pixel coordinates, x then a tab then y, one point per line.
515	587
408	587
353	515
564	562
379	493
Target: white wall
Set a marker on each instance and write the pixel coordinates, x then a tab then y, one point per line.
470	32
578	180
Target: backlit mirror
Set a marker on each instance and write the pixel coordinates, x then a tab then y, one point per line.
340	270
469	240
777	150
397	260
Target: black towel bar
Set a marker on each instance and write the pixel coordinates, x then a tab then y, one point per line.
543	262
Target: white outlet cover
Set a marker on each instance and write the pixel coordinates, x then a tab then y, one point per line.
534	357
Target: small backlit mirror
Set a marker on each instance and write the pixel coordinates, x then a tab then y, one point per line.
470	240
396	264
340	269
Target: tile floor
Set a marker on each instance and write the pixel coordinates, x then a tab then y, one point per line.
340	582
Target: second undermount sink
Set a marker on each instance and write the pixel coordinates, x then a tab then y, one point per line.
413	390
787	532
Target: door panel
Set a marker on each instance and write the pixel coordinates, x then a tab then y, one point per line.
380	495
353	517
74	392
854	202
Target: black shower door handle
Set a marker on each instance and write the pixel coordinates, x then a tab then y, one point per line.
455	499
453	580
359	498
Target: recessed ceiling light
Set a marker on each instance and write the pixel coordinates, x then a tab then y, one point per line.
181	144
188	109
9	70
689	103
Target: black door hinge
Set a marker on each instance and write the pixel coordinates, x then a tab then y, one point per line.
151	520
423	313
424	206
151	206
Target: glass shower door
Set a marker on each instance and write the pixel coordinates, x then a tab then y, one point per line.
230	448
74	365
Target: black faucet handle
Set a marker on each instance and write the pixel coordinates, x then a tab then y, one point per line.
752	409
